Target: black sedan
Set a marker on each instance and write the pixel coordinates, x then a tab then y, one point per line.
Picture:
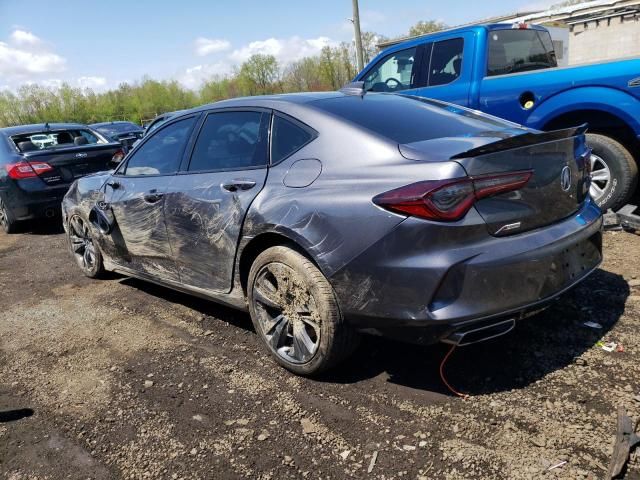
39	162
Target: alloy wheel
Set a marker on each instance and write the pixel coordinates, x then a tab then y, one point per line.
287	313
4	218
82	245
600	177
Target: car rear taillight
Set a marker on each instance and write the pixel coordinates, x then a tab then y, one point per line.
118	156
448	200
21	170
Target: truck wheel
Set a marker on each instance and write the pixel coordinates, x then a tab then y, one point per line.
614	172
295	312
8	224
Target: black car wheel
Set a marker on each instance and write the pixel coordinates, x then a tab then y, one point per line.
295	312
8	224
614	172
84	250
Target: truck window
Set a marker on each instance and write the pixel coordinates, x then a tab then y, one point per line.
512	51
393	73
446	61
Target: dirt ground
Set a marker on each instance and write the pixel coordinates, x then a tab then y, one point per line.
121	379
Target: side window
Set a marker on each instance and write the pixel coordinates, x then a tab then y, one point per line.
446	61
393	73
287	138
230	140
161	154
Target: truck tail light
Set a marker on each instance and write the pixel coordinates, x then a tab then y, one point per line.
448	200
21	170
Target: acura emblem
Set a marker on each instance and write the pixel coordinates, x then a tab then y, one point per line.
565	178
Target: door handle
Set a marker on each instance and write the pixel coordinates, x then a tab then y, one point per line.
239	184
152	196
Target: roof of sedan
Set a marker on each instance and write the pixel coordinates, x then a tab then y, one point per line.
268	100
118	122
38	128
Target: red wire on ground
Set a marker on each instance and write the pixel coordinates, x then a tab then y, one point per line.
444	380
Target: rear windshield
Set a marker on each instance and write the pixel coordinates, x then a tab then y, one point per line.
405	119
512	51
55	139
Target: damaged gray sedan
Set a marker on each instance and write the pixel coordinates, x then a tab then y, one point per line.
327	215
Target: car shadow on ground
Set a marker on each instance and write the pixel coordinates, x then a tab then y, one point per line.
44	226
537	346
7	416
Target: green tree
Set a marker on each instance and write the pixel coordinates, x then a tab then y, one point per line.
426	26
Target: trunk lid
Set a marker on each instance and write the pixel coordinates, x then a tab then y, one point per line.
69	163
558	185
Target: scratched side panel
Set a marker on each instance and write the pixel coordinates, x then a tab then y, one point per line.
204	222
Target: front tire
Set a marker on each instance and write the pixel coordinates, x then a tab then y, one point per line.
614	174
295	312
7	222
83	248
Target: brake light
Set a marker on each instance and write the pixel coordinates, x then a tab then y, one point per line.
21	170
520	26
118	156
448	200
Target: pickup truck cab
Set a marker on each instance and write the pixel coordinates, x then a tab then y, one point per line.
510	71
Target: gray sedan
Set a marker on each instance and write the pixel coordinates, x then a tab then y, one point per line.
327	215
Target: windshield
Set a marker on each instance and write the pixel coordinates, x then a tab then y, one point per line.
519	50
54	139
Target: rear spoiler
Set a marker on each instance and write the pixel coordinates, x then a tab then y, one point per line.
523	140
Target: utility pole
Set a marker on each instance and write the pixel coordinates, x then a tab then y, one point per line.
356	27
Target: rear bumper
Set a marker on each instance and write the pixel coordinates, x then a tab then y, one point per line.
31	199
430	278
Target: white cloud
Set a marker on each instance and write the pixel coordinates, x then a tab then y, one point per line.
285	50
22	37
94	83
24	58
207	46
194	77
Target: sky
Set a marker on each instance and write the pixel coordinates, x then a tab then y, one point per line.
100	44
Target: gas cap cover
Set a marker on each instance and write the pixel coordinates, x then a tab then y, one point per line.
302	173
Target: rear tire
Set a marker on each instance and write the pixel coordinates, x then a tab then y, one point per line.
7	222
614	172
296	314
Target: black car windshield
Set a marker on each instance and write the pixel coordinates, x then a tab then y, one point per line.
52	139
405	119
116	128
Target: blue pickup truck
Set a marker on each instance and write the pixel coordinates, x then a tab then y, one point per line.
511	71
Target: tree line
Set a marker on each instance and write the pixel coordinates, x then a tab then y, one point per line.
261	74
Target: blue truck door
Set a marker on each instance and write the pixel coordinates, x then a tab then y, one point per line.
448	67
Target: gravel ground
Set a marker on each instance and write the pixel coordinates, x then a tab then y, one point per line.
121	379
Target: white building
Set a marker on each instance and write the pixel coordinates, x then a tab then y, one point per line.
600	30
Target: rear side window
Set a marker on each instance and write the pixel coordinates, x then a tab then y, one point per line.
229	141
446	61
405	119
161	154
512	51
287	138
393	73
